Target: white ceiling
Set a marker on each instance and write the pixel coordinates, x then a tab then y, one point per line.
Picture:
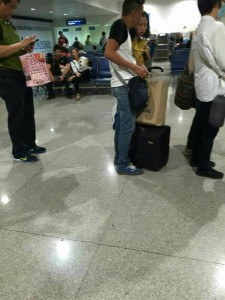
72	7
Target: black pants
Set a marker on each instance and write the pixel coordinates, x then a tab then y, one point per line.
191	135
19	103
85	75
203	135
65	83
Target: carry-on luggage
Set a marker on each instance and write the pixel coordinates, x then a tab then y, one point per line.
155	111
149	146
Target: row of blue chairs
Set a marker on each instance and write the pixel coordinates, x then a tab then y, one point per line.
93	53
179	59
100	72
101	75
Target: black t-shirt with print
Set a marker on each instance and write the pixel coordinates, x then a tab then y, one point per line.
55	64
118	31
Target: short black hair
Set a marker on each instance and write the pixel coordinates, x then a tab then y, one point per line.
103	33
206	6
8	1
130	5
60	32
64	49
57	47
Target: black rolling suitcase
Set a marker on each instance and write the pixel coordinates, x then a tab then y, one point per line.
149	147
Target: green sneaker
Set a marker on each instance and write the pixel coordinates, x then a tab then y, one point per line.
26	159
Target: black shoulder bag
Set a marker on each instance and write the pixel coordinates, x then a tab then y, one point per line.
137	91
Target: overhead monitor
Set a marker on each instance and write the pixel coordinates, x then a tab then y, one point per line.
75	22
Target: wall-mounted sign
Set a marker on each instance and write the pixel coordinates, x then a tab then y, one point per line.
91	28
42	45
75	22
77	29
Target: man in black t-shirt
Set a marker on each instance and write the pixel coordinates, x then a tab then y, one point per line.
58	68
119	51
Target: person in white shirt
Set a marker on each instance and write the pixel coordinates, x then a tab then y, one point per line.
207	53
81	71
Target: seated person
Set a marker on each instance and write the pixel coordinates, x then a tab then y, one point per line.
65	52
77	44
95	51
58	68
184	43
81	50
94	48
81	71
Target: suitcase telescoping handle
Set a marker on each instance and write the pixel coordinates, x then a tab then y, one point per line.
155	68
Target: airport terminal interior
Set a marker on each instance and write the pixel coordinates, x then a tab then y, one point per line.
72	228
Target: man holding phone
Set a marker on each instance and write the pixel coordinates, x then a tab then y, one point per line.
13	90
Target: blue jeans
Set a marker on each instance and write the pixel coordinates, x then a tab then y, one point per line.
124	126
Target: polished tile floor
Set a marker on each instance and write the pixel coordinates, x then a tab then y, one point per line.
71	228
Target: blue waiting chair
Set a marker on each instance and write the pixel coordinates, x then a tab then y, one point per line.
179	59
104	74
104	69
94	67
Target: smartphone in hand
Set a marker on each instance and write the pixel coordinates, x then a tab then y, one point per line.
32	44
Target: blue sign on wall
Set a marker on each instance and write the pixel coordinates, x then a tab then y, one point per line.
75	22
42	45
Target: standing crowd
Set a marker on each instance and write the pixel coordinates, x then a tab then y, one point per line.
207	63
127	49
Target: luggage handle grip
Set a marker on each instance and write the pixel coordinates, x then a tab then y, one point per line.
156	68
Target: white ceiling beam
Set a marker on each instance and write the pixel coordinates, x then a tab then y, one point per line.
109	5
